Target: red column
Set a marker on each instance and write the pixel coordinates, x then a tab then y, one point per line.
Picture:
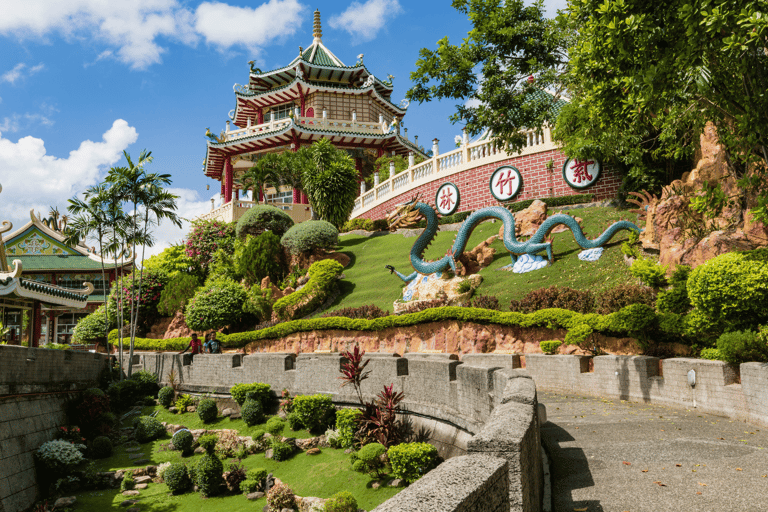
223	190
228	177
296	196
261	195
304	198
261	116
237	194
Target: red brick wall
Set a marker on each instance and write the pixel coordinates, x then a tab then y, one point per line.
538	183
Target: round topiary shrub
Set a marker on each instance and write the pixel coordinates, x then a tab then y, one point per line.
280	496
341	502
147	429
215	305
411	461
183	441
207	410
314	411
732	289
252	412
309	236
550	347
60	456
263	218
101	447
280	450
177	478
208	474
166	396
368	459
275	425
744	346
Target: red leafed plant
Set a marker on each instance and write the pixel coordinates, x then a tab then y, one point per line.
353	371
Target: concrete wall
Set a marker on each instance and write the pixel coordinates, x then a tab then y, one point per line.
484	407
737	392
35	385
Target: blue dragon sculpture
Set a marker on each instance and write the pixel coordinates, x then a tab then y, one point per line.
407	213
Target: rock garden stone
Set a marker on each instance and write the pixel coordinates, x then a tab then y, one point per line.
235	416
269	453
173	409
227	412
375	485
313	451
143	479
254	495
191	408
141	486
142	461
65	502
396	482
131	493
134	509
199	450
133	456
132	449
305	504
128	503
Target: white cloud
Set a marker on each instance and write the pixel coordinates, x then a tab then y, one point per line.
254	28
18	72
33	179
363	21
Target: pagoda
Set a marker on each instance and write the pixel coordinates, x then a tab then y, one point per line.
315	96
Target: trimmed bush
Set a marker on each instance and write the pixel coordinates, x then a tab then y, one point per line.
91	328
555	297
147	428
165	396
101	447
147	383
208	474
175	295
183	441
649	273
614	299
275	425
744	346
261	392
280	496
207	410
676	299
341	502
711	354
215	305
310	236
177	478
368	312
254	480
252	412
411	461
280	451
369	459
346	425
261	218
550	347
313	411
184	401
260	256
732	289
322	281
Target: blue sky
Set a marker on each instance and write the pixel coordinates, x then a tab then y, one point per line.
83	80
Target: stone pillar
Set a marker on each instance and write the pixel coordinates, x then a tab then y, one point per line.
391	169
271	116
375	179
354	116
296	113
226	130
416	140
228	177
411	159
249	122
464	137
362	188
405	132
435	147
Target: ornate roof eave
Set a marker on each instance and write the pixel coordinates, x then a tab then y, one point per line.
291	69
12	283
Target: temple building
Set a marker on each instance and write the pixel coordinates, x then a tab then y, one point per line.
46	285
315	96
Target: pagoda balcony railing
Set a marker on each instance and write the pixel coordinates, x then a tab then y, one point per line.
441	166
232	211
318	123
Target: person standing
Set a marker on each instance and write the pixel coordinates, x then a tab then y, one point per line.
212	345
194	344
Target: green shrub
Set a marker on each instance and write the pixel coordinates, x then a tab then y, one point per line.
322	282
215	305
369	459
147	383
630	250
252	412
208	471
411	461
123	394
346	425
184	401
555	297
649	272
614	299
91	329
294	421
207	410
101	447
175	295
59	456
711	354
578	335
551	202
275	425
183	441
166	396
550	347
732	289
367	312
341	502
254	480
260	256
177	478
147	429
128	483
744	346
208	443
676	299
313	411
310	236
261	392
258	303
261	218
280	451
280	496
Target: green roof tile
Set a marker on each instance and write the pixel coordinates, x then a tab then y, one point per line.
70	262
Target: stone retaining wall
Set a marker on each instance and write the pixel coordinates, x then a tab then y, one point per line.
484	407
35	384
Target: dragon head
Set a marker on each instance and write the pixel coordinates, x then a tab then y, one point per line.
404	215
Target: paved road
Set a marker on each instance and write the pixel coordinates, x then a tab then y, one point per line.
612	455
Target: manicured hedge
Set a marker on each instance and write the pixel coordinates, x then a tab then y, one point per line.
322	280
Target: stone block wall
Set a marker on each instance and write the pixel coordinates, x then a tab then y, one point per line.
35	384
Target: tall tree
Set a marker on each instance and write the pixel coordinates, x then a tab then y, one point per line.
489	71
330	181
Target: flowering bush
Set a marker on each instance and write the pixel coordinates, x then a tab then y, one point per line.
280	496
215	305
206	237
151	283
71	434
60	456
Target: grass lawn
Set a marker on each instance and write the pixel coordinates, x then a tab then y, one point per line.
368	282
320	475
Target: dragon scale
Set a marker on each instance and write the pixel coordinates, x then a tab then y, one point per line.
532	246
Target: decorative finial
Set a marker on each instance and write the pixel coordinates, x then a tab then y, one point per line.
318	29
301	50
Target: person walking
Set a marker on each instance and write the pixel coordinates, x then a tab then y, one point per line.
212	345
194	344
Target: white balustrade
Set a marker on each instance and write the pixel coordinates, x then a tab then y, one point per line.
400	180
383	189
